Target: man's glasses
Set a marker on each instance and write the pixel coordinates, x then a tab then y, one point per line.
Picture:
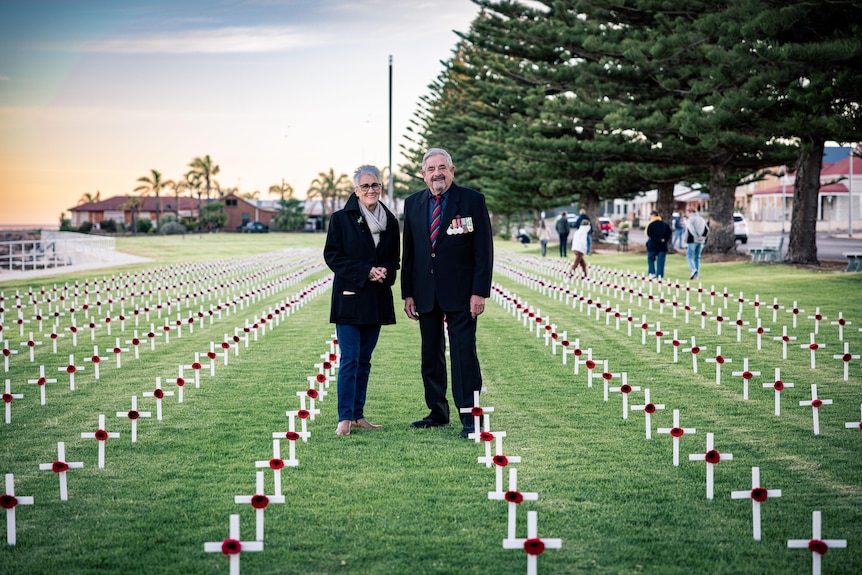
365	187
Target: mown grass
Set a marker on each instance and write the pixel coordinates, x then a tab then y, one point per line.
415	501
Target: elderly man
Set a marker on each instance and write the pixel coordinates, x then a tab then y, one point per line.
447	262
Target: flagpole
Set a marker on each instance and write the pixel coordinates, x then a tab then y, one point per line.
391	190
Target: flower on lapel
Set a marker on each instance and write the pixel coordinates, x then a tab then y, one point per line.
360	221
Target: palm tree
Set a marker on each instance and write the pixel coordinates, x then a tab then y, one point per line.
329	188
204	170
89	198
133	204
178	187
152	184
285	190
251	195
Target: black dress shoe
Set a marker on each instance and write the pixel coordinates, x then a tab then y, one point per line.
426	423
467	431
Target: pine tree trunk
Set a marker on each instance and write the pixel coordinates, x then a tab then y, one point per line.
802	248
664	201
721	238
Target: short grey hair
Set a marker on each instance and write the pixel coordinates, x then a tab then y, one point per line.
364	170
437	152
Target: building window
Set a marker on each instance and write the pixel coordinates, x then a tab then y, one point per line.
230	202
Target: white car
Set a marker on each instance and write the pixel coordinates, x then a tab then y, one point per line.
740	228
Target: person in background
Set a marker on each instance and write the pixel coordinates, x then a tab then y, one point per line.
696	231
544	237
583	217
362	249
445	279
678	231
563	228
579	246
659	235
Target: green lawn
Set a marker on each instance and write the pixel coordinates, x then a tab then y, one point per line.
416	501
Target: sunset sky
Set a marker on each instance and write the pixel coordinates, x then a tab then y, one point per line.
96	93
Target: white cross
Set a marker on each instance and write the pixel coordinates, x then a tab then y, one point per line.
54	336
746	375
694	350
759	330
6	353
60	466
8	396
319	381
624	389
101	435
775	308
757	494
658	335
31	344
813	346
9	501
739	325
648	408
232	546
841	322
817	317
532	545
817	546
676	432
95	359
119	351
555	339
487	436
712	457
259	501
135	342
676	343
276	463
815	404
846	357
196	366
158	393
41	381
854	424
514	498
778	386
784	338
181	382
133	414
312	394
718	360
476	411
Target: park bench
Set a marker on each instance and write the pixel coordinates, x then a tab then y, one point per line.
854	262
769	250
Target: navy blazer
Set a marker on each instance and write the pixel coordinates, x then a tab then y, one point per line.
350	253
461	264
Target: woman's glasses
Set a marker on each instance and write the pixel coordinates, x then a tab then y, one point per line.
365	187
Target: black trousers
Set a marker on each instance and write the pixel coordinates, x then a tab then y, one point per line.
466	375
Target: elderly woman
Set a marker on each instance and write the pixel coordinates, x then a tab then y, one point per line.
362	249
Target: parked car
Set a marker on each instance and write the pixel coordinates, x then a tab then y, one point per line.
740	228
253	228
606	226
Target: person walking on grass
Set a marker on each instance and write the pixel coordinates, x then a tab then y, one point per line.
362	250
447	262
659	235
562	226
696	231
579	246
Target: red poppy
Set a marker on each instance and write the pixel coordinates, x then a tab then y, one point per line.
333	357
842	321
225	345
136	341
719	359
59	466
818	546
501	460
231	547
578	352
151	334
259	501
292	435
95	359
818	317
8	501
196	365
486	436
41	381
778	385
814	346
321	378
565	343
659	334
276	463
73	329
677	432
158	393
476	411
695	350
649	408
759	494
101	434
513	497
816	403
719	318
31	343
747	375
70	369
590	364
133	414
676	343
303	414
180	381
117	350
534	546
644	326
713	456
236	339
211	355
625	388
166	328
846	357
312	393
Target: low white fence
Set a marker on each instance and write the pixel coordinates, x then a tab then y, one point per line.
54	249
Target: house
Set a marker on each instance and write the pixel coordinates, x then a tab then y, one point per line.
240	211
117	208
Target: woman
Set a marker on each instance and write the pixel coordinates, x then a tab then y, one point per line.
362	249
579	246
544	237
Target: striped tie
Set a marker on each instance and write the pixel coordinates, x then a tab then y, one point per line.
435	221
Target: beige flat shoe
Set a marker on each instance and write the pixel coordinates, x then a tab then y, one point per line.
343	427
365	424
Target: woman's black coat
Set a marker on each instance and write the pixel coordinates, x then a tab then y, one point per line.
350	253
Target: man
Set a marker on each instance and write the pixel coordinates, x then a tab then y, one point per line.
563	227
696	231
583	217
447	262
659	235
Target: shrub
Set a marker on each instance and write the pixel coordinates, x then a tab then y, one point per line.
144	225
171	228
85	227
108	226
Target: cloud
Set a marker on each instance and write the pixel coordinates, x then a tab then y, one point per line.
215	41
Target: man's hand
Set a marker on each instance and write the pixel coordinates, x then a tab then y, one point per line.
377	274
410	308
477	305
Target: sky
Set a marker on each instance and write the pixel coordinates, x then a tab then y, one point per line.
96	93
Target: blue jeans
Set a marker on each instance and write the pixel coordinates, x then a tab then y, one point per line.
589	242
544	244
357	343
655	263
693	256
677	238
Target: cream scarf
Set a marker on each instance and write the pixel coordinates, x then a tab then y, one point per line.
376	220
